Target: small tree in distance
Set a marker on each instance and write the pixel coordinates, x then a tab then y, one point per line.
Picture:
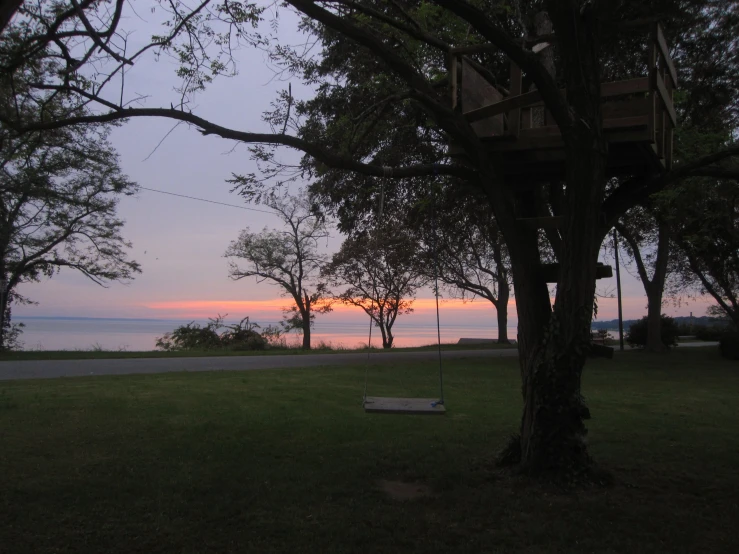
382	273
471	257
287	258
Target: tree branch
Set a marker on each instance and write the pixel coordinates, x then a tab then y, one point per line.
321	154
638	190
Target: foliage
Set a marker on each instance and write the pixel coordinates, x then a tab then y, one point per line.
215	335
59	192
729	344
289	259
703	215
637	333
465	248
709	333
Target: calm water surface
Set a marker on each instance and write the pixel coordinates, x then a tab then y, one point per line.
141	334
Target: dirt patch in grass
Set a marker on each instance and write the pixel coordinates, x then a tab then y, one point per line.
398	490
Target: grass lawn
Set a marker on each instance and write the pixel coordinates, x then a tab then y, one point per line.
286	461
115	354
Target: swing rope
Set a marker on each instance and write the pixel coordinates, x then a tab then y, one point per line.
436	294
387	172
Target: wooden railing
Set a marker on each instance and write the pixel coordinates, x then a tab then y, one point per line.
645	101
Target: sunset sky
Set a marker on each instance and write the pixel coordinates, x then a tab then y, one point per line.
180	242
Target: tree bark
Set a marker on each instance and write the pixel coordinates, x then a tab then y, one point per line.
306	332
654	287
553	342
654	320
387	339
4	319
305	314
655	290
501	309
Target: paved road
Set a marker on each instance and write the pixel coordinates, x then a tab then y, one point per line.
49	369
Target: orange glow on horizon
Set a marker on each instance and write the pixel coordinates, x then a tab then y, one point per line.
275	304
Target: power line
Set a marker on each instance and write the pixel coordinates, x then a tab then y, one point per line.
209	201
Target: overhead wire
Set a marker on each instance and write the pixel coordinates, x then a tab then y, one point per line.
206	200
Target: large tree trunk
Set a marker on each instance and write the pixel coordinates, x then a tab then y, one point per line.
655	290
387	338
553	344
654	287
502	311
4	319
504	293
306	330
654	320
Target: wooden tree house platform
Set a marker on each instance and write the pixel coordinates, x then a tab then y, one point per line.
638	119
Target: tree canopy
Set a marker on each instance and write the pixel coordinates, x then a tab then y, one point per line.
59	194
288	258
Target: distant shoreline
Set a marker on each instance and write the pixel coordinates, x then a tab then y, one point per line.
83	318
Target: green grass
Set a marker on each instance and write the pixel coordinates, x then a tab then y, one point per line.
98	354
286	461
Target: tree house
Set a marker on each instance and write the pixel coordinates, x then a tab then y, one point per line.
638	118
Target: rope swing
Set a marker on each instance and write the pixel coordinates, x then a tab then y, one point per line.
395	405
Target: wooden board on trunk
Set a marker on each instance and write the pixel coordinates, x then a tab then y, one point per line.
550	272
476	92
412	406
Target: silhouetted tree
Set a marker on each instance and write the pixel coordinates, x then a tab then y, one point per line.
287	258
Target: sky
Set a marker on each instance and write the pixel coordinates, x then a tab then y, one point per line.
180	242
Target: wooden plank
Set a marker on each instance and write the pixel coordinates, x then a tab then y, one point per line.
625	122
623	136
627	86
411	406
453	78
550	272
666	98
551	222
617	88
628	106
600	351
662	44
476	92
525	142
510	103
473	49
668	147
513	117
652	67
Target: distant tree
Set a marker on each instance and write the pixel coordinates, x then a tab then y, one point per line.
471	256
704	217
288	259
59	193
648	245
382	273
637	334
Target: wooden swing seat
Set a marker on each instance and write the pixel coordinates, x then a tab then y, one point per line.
413	406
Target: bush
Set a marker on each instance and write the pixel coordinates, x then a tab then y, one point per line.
192	336
729	345
637	334
702	332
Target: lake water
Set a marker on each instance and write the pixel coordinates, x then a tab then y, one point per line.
54	333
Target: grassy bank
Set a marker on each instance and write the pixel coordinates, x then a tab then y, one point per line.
100	354
287	462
